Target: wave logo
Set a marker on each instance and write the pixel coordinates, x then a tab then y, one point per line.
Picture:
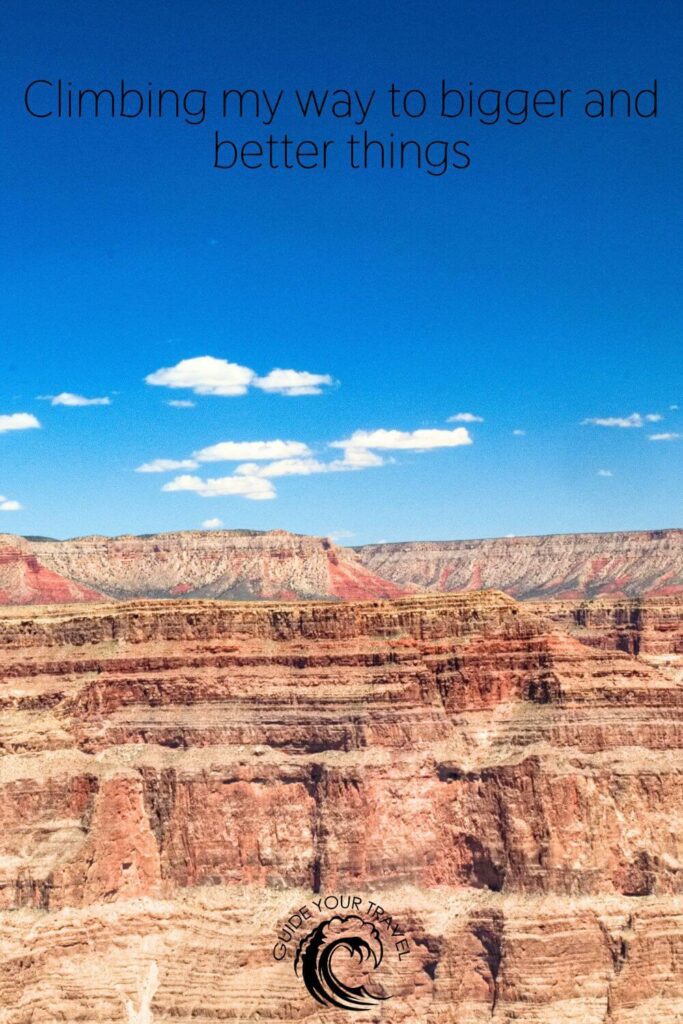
335	962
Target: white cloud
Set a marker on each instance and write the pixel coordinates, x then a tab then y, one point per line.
212	524
674	408
337	535
166	465
283	467
665	437
181	403
253	479
405	440
625	422
293	382
6	505
255	488
236	451
604	472
265	461
18	421
357	452
358	458
354	458
69	399
206	375
519	433
465	417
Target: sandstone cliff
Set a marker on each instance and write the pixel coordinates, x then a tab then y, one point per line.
24	579
176	778
245	565
239	565
571	565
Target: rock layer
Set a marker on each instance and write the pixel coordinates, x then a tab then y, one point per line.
238	565
575	565
177	777
246	565
24	579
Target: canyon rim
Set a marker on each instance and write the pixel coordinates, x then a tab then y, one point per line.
473	803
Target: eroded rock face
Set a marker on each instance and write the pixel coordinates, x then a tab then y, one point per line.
177	778
245	565
239	565
24	579
569	566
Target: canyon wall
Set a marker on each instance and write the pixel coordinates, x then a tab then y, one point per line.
236	565
24	579
246	565
573	565
177	778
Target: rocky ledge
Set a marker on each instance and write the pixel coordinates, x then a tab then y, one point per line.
177	778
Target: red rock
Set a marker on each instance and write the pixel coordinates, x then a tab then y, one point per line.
567	566
246	565
178	777
242	565
25	580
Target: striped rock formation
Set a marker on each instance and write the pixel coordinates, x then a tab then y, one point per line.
568	566
179	779
233	565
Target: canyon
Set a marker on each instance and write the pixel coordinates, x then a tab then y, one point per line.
573	565
231	565
177	778
276	565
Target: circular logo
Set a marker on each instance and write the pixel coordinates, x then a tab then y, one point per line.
348	952
336	961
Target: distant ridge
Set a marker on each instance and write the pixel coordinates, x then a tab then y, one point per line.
227	564
573	565
277	565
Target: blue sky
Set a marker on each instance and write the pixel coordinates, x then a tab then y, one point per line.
537	290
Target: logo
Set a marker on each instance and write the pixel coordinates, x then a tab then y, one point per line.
339	947
314	961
